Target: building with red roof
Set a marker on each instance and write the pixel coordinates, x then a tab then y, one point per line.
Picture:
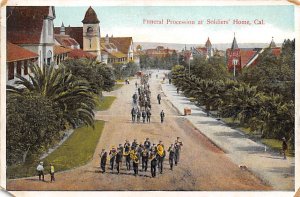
206	51
17	61
31	27
239	58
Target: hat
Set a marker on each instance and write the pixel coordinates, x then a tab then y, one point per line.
283	138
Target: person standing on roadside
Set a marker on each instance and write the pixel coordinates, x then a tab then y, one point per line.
40	170
52	172
162	116
284	147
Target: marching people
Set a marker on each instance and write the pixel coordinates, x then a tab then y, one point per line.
147	144
177	146
133	114
144	116
153	160
136	84
40	170
121	150
52	172
148	116
158	98
145	157
162	116
134	144
118	160
135	161
103	160
138	116
284	147
112	155
171	156
160	155
127	154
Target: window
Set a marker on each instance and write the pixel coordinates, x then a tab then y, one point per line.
19	68
89	30
90	43
11	70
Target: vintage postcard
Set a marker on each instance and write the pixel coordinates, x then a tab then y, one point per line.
129	96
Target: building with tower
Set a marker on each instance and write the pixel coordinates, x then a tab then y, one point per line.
239	58
206	52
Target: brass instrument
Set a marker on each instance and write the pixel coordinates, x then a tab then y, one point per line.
160	150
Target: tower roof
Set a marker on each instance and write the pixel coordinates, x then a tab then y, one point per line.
208	43
90	17
234	44
272	44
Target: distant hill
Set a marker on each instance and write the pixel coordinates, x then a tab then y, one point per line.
179	47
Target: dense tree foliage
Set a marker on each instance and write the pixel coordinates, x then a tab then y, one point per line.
99	75
122	71
262	98
43	105
166	62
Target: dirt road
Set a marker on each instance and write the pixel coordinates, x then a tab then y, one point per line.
202	165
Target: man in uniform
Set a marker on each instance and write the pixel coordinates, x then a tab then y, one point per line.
158	98
121	150
127	154
134	144
148	113
171	151
135	161
160	155
162	116
147	144
177	146
153	160
103	156
133	114
118	160
112	155
144	116
145	157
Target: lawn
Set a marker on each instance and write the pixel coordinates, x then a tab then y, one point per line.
104	103
76	151
117	86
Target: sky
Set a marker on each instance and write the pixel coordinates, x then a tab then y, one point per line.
278	22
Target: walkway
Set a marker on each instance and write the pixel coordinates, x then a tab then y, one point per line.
269	166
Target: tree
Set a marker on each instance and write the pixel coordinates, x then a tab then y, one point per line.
69	95
32	123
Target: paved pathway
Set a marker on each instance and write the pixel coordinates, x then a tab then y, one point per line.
269	166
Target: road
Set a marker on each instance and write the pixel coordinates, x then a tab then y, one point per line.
202	167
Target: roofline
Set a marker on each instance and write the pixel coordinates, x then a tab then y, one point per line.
22	59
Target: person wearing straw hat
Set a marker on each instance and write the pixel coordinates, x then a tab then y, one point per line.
40	170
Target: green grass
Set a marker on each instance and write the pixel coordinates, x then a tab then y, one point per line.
76	151
104	103
276	145
117	86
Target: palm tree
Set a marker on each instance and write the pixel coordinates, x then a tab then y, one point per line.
72	98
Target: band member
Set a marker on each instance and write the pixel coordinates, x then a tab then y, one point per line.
112	155
160	156
135	159
127	155
103	158
145	157
118	160
121	150
134	144
171	151
153	161
177	146
147	144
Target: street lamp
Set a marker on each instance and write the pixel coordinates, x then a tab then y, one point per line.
190	58
234	62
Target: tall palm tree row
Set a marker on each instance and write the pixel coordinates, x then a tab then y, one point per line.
268	113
